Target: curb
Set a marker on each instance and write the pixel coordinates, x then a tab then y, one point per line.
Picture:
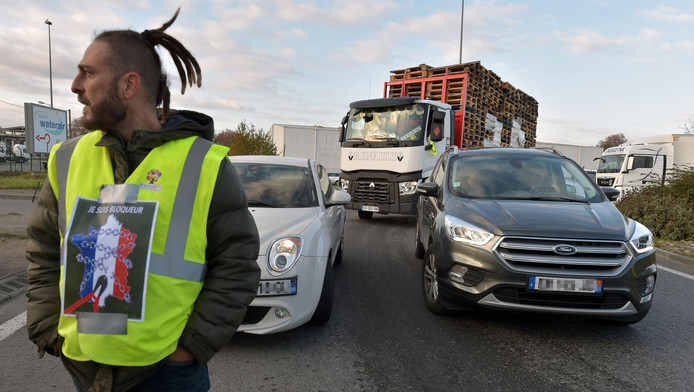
12	286
674	257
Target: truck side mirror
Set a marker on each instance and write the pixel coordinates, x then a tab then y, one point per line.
344	128
630	164
436	126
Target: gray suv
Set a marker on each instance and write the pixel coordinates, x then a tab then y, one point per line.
528	230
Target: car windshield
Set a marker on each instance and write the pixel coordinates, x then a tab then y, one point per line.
401	123
520	177
610	163
281	186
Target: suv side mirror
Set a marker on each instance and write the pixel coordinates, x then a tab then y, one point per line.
428	189
612	194
436	126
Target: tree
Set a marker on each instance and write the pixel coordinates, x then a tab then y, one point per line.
77	127
246	140
612	140
688	128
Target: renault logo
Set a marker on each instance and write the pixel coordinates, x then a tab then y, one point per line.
372	185
565	250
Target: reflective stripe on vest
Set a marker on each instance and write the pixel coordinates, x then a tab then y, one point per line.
172	262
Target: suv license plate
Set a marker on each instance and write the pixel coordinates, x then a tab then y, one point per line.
569	285
370	208
277	287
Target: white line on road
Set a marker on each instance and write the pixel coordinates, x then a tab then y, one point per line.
13	325
672	271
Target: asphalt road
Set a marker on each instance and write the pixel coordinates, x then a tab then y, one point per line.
382	338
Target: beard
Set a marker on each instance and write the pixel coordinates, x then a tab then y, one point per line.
106	114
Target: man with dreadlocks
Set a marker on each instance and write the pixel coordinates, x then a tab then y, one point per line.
142	251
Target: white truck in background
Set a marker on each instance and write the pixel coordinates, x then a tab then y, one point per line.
309	141
644	161
3	152
20	154
585	156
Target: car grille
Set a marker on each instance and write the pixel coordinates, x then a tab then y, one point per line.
254	314
565	301
535	256
605	181
378	193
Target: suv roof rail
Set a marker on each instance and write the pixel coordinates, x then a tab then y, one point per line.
453	149
552	150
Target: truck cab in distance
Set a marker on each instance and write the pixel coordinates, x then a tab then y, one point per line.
387	146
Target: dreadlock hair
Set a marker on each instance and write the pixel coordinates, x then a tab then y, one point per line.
135	52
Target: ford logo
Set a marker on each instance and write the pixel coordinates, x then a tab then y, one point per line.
565	250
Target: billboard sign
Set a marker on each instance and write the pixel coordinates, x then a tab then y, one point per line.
45	127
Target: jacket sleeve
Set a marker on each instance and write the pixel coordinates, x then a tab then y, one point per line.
43	272
232	275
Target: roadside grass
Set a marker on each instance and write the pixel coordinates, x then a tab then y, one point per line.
21	180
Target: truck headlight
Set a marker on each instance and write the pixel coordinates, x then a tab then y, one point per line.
642	239
462	231
283	254
407	187
344	185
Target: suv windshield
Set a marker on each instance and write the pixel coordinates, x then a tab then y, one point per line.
520	177
269	185
610	163
401	123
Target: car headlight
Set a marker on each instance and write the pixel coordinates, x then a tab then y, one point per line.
344	185
642	239
462	231
408	187
283	254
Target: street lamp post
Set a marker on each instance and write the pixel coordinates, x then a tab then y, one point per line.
50	62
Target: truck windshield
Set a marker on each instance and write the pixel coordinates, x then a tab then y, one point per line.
611	163
402	123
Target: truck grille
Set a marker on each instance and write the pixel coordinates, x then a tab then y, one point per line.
605	181
537	255
372	191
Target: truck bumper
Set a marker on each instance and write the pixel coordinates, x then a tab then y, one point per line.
405	208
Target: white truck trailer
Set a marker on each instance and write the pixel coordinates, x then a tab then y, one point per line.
306	141
585	156
644	161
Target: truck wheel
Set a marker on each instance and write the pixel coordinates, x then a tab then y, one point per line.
325	305
365	214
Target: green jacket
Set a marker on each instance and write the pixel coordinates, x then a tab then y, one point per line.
230	283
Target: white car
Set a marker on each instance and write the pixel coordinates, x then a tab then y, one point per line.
300	219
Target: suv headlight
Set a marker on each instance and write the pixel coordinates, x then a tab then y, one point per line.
408	187
283	254
642	239
344	185
462	231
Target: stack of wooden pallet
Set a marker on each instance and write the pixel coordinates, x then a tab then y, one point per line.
496	113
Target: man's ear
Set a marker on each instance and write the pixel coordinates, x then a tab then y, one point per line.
130	84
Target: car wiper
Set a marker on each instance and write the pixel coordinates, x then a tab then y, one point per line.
394	140
258	203
556	198
358	142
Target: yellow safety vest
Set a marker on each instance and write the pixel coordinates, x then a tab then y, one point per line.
180	175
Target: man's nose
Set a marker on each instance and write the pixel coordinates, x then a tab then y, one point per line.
77	85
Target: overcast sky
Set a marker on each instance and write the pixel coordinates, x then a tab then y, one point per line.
596	67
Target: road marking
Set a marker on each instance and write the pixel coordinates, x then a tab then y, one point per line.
672	271
13	325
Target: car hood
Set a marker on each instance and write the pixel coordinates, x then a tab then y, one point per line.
273	223
543	218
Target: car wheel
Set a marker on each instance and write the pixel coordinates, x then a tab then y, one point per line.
430	284
365	214
338	256
418	247
325	304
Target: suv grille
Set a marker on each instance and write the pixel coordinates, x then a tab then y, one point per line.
379	192
537	255
552	300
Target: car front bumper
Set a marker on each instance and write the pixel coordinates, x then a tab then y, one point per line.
494	285
264	315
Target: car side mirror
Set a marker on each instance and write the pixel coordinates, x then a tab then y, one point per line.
338	197
612	194
428	189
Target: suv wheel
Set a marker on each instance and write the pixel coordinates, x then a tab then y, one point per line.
365	214
430	284
418	247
